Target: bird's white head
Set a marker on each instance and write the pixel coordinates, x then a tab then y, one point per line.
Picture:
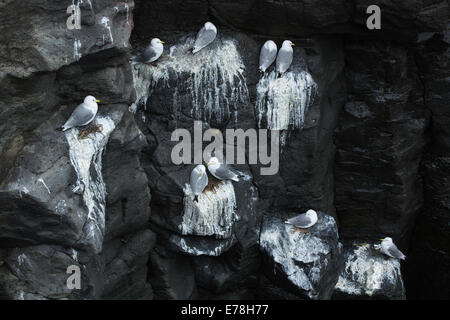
213	161
156	42
90	100
288	43
386	240
210	26
201	169
311	213
270	44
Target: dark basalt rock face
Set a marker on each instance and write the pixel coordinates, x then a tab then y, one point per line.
430	241
370	152
380	140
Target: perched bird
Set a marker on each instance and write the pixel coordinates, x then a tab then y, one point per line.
390	249
82	115
150	54
304	220
205	36
268	55
199	180
220	170
284	58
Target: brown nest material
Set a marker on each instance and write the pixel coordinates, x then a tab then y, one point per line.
84	133
213	183
299	229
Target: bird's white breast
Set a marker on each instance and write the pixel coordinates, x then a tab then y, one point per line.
92	107
287	48
158	48
384	248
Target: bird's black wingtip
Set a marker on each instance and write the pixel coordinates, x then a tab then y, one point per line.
196	198
59	129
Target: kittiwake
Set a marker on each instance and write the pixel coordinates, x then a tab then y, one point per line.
83	114
150	54
390	249
220	170
268	55
199	180
303	221
284	58
205	36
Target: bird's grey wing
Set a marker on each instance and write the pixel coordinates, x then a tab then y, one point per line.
79	117
395	252
300	221
267	56
193	180
204	37
145	56
203	182
284	60
224	172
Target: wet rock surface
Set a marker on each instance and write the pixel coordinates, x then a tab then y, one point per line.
366	141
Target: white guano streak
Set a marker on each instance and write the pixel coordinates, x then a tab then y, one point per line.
215	78
84	153
284	100
213	214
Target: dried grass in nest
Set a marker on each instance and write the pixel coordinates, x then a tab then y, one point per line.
213	183
84	133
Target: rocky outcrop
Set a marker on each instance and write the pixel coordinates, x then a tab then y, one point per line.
40	40
169	95
63	197
306	263
369	274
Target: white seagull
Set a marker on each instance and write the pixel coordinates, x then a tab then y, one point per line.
390	249
221	171
199	180
83	114
304	220
285	55
268	55
150	54
205	36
